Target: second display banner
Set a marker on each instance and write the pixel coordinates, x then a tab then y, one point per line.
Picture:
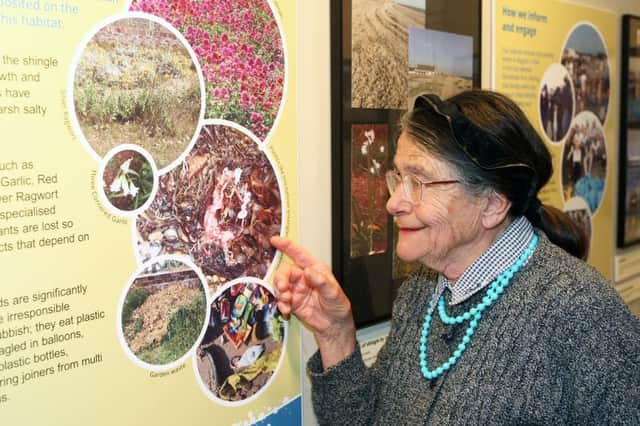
556	61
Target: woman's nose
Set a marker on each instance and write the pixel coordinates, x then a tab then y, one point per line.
397	202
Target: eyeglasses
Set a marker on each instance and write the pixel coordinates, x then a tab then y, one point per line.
484	149
411	186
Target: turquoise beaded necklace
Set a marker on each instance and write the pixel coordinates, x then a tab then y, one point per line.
473	315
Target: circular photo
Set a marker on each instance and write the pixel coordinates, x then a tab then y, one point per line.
163	313
136	81
580	214
556	102
244	342
219	206
129	179
586	59
584	161
241	51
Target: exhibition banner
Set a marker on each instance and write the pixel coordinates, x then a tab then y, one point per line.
148	155
556	61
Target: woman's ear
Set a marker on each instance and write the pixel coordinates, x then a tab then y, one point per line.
496	210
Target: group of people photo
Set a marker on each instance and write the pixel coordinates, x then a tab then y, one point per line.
586	59
556	109
585	161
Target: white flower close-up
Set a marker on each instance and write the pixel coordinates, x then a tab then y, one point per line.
376	165
133	189
122	182
125	166
116	184
370	135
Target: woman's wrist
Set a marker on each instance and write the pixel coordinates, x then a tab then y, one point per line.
337	345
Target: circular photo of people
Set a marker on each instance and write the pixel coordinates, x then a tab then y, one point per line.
586	59
244	342
219	206
580	214
584	161
163	313
137	81
556	102
240	47
129	180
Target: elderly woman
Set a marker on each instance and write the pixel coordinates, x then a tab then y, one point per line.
506	325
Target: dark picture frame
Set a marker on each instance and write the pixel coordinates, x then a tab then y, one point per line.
363	245
629	164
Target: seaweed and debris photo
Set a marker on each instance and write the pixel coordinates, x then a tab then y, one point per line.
164	312
219	206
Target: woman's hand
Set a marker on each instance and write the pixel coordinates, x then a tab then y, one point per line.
308	289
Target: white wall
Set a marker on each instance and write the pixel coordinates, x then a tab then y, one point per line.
314	124
314	148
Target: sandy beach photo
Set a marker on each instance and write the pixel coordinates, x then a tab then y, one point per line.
379	51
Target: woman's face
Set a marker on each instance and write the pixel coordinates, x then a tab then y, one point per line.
442	230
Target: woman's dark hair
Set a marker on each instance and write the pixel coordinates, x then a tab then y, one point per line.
492	145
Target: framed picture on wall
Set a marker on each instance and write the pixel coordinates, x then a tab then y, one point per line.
384	52
629	169
369	159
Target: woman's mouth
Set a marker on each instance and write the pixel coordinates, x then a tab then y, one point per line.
404	230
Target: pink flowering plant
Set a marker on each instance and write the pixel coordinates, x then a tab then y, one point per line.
240	51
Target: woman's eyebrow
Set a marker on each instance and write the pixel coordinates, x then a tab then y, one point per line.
417	169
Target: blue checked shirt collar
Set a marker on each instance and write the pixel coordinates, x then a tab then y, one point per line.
498	257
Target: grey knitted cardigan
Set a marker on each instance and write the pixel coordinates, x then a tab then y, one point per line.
558	347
